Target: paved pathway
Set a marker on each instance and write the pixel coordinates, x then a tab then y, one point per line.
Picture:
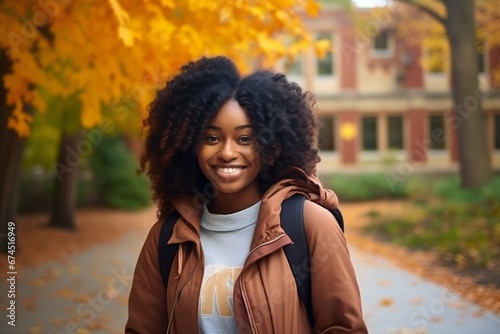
88	294
398	302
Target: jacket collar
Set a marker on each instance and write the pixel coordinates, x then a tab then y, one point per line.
190	209
268	224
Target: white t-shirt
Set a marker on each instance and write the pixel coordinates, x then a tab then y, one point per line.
225	239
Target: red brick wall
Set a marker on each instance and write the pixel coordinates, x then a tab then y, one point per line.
494	63
418	142
347	60
414	77
349	147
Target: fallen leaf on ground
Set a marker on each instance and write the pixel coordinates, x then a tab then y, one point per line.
386	302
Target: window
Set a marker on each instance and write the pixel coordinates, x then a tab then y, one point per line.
497	132
324	66
437	134
293	66
395	132
481	64
327	134
436	58
369	128
381	42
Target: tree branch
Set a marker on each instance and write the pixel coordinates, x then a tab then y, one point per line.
428	10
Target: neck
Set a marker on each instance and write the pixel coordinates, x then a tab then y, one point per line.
229	203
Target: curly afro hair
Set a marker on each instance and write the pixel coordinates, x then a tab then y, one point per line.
281	113
284	124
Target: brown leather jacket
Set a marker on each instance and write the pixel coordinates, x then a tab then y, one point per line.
265	295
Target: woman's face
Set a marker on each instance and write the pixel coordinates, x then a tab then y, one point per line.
228	155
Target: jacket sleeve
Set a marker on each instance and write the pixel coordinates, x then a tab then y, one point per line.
147	309
335	293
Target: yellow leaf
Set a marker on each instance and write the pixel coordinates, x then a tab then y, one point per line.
281	16
270	45
168	3
203	5
120	14
127	35
258	12
20	121
83	331
65	293
91	113
37	101
312	8
386	302
322	47
36	329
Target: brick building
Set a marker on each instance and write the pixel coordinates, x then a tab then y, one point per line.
379	105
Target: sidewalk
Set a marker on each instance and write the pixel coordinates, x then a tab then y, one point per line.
398	302
88	294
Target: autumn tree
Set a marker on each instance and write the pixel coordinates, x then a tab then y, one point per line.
115	54
457	17
11	148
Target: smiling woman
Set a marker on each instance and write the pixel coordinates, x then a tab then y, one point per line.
250	144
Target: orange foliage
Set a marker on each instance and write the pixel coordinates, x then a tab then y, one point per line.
117	49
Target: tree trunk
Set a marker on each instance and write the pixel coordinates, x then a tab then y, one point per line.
66	181
474	156
11	152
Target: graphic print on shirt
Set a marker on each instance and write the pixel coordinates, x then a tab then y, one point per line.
217	290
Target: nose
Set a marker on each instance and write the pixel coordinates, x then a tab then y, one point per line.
228	151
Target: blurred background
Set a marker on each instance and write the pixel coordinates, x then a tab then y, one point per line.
408	93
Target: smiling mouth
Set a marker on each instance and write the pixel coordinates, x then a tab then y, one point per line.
229	170
229	174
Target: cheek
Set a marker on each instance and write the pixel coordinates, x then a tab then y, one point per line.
202	157
256	153
256	160
203	153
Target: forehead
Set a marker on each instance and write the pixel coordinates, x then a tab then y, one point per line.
231	113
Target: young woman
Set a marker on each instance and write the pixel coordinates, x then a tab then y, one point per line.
225	152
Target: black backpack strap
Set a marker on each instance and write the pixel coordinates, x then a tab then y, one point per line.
338	217
167	252
297	254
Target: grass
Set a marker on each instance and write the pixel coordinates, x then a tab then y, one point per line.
461	225
364	187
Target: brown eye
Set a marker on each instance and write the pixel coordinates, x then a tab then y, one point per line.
245	140
211	139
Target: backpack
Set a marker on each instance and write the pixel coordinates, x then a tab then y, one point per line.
297	254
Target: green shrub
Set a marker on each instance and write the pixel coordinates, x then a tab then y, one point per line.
462	225
364	187
114	173
451	190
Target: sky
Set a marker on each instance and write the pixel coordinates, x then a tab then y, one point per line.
370	3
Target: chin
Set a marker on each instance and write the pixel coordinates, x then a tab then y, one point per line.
227	190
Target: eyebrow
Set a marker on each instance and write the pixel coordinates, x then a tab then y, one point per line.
239	127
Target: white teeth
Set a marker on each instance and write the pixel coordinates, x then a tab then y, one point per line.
229	170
